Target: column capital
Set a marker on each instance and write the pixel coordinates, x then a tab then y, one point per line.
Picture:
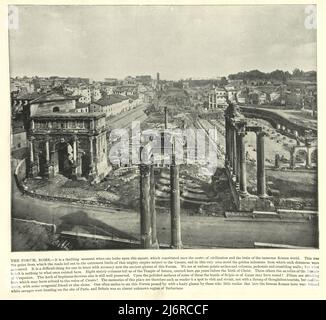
241	133
74	138
31	138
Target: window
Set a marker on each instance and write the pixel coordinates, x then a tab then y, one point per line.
56	109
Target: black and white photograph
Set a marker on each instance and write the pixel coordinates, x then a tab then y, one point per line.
163	127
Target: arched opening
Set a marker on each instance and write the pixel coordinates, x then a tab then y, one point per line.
65	159
301	156
42	162
314	156
56	109
85	165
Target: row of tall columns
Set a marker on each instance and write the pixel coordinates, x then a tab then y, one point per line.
236	158
148	233
148	221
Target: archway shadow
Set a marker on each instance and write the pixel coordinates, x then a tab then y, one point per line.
91	225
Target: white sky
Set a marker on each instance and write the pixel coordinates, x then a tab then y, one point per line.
177	41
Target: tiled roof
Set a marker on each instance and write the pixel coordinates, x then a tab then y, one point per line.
29	96
110	99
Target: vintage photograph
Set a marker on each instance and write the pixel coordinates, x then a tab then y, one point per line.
163	127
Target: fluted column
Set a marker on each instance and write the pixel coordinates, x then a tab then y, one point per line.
176	242
261	174
145	214
243	165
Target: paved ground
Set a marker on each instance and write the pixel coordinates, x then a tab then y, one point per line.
196	230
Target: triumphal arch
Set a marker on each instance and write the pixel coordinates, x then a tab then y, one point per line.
70	143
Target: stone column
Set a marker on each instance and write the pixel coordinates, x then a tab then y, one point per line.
238	175
231	147
261	175
162	147
176	242
95	154
91	155
277	161
74	165
47	157
31	171
292	159
308	157
234	152
243	166
92	125
152	207
145	214
226	141
165	117
31	149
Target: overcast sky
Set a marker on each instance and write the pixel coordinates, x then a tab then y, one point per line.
179	42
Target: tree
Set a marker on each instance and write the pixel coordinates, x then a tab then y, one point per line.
297	73
223	82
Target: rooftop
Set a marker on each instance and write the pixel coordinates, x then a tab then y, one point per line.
110	99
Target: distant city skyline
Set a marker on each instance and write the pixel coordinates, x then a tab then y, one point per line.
179	42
